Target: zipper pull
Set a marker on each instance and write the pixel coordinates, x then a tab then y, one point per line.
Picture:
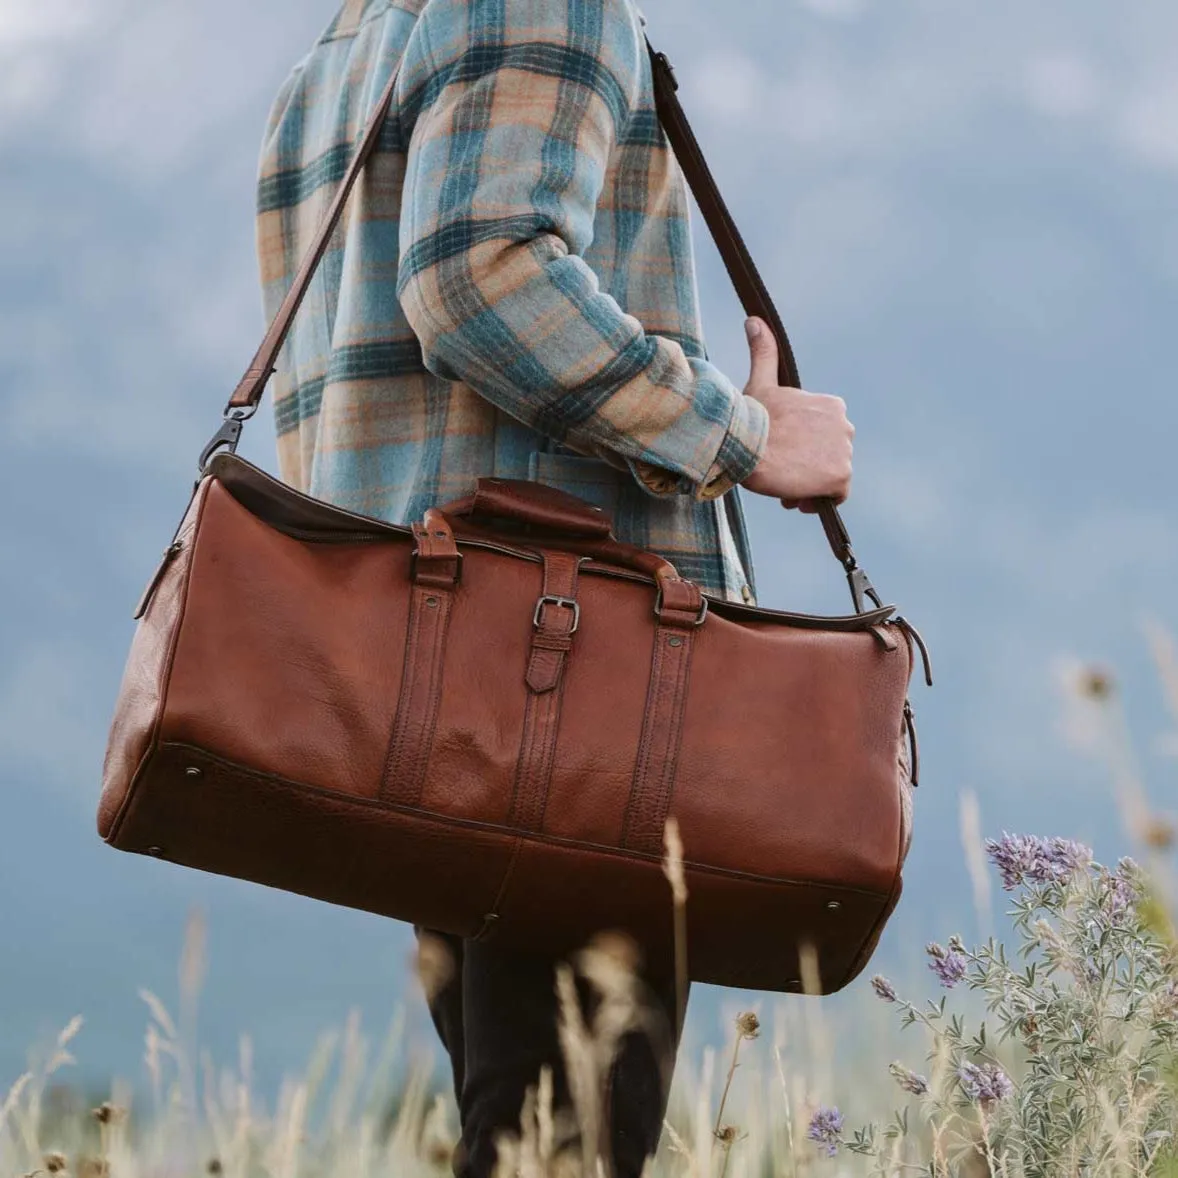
170	553
910	629
913	744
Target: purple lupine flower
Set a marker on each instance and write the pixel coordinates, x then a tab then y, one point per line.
908	1080
1013	855
1122	889
987	1083
826	1127
1021	857
1059	859
883	988
948	964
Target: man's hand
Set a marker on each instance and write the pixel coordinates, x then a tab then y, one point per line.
808	456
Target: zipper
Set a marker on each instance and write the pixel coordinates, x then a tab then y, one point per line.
170	553
913	744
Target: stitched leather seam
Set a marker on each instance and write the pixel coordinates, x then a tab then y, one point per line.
670	767
644	743
551	840
654	774
421	683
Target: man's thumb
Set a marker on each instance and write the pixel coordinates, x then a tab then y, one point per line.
763	348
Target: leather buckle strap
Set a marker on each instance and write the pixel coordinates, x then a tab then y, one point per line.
680	603
435	560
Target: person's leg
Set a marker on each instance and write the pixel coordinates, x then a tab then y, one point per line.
498	1018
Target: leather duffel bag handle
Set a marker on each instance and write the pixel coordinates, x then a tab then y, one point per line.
565	522
547	509
750	288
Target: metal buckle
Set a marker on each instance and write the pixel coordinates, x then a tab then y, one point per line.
665	62
862	588
564	603
701	617
228	435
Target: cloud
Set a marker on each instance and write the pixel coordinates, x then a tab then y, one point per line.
24	25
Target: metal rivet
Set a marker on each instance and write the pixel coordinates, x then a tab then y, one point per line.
674	641
834	906
432	602
155	852
192	771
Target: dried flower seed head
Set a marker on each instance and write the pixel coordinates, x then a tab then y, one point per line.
1165	1005
107	1113
434	964
826	1127
908	1080
726	1134
1095	683
439	1154
748	1025
883	988
1158	834
55	1162
214	1166
986	1083
673	862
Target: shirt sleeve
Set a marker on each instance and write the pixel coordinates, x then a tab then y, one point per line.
517	106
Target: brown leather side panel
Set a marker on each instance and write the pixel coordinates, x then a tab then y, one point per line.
145	674
304	643
788	766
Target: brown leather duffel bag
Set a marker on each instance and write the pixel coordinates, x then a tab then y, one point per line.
481	723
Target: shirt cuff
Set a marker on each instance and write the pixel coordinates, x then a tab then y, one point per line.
741	448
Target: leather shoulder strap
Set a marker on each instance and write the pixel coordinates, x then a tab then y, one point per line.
750	288
251	386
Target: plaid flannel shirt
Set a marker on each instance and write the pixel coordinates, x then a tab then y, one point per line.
512	291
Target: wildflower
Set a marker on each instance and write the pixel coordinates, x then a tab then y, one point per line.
748	1025
908	1080
826	1127
987	1084
55	1162
1021	857
948	964
883	988
1013	855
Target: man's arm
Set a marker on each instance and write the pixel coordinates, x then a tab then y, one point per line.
519	111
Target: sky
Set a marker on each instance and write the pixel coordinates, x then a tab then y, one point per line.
965	214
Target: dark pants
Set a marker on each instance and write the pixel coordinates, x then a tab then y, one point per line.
497	1016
